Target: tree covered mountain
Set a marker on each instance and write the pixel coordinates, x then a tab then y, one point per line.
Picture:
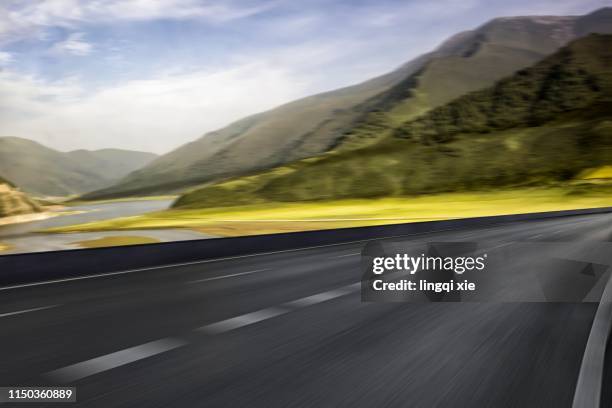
544	124
361	115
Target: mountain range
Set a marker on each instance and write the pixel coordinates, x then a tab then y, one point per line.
363	115
42	171
542	125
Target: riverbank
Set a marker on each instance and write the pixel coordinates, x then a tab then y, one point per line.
276	217
121	200
27	237
18	219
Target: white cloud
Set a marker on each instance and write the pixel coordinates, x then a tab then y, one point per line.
177	9
26	18
74	44
157	114
167	109
6	58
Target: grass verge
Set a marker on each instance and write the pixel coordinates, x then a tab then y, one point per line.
275	217
115	241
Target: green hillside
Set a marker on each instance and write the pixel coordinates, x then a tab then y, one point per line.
573	79
39	170
542	125
353	117
14	202
298	129
497	50
112	163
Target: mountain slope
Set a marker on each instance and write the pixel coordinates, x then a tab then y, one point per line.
14	202
358	115
40	170
574	78
545	124
496	50
112	163
297	129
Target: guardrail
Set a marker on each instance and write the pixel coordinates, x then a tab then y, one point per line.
44	266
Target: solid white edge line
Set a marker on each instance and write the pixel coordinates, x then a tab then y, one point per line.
26	311
102	275
590	376
152	268
232	275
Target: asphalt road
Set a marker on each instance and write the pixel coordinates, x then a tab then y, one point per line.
289	330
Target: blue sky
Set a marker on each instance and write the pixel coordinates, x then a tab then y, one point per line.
154	74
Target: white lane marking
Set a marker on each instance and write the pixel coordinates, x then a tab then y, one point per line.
104	363
468	235
228	276
102	275
243	320
107	362
324	296
27	310
270	312
483	228
344	256
590	382
485	250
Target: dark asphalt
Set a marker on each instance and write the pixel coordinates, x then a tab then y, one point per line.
327	350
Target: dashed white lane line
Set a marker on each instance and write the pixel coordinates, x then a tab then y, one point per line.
107	362
468	235
346	255
228	276
324	296
243	320
18	312
99	364
502	245
270	312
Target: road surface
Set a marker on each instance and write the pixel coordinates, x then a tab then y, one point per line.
289	330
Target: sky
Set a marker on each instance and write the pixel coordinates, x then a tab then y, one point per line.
152	75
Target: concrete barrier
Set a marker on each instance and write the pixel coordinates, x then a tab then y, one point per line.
44	266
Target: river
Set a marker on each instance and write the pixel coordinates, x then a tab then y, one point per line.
25	237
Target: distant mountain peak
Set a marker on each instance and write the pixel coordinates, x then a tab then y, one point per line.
38	169
109	150
538	19
604	11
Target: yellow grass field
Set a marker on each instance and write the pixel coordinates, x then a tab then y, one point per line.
284	217
116	241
